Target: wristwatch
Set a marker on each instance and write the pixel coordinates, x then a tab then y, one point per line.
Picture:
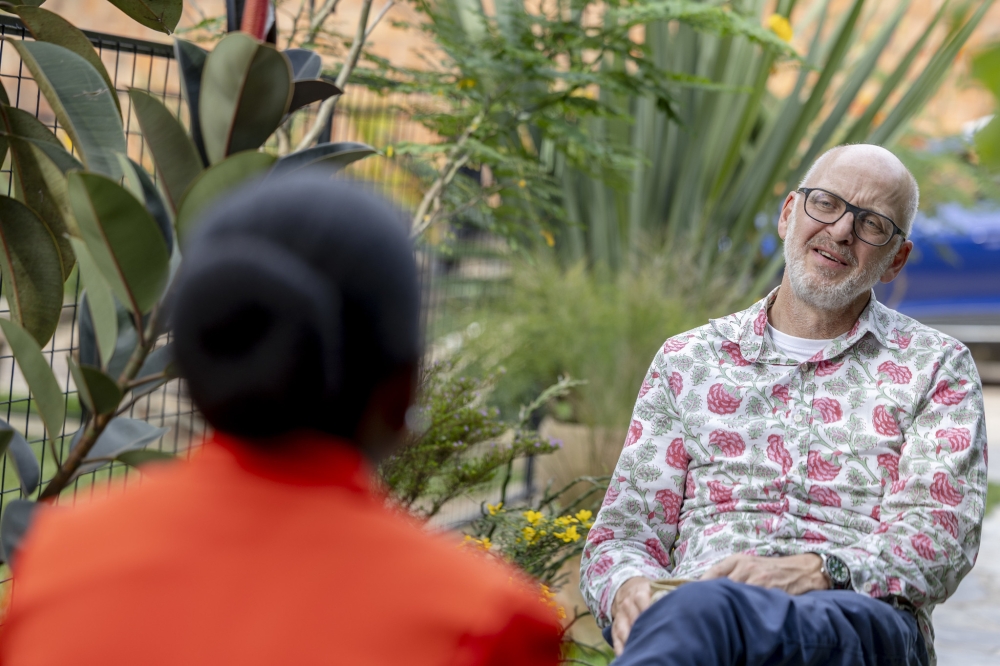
835	569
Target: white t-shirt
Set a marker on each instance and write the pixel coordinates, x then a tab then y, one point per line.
801	349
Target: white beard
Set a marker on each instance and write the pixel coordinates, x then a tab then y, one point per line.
827	294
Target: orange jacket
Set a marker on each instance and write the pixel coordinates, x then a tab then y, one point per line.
246	557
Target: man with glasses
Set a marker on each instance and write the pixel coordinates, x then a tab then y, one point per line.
808	474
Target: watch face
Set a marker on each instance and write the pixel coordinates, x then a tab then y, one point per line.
838	570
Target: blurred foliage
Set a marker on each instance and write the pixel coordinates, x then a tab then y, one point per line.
458	443
986	68
947	171
510	93
601	329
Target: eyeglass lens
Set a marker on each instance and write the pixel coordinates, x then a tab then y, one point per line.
827	208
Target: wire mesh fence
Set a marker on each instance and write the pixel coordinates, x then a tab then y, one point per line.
361	116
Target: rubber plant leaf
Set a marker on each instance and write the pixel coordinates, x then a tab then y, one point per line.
119	436
46	26
159	15
191	61
144	457
100	312
216	181
31	269
308	91
14	524
306	64
81	101
38	167
246	88
158	367
97	391
25	462
174	154
124	240
142	187
332	156
38	375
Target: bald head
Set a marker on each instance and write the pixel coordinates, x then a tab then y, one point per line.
880	169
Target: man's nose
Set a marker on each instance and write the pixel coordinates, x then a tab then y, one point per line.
842	231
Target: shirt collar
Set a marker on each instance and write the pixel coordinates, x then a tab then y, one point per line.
303	458
748	329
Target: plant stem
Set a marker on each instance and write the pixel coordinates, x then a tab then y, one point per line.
327	107
75	458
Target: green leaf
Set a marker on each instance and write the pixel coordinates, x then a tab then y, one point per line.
144	457
119	436
97	391
14	524
307	91
159	365
19	451
159	15
81	101
31	268
100	304
191	63
332	156
216	181
174	154
38	375
123	239
246	88
38	166
48	26
306	64
155	206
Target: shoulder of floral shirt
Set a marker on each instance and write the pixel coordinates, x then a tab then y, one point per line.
745	331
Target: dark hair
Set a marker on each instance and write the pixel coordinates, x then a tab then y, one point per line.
295	299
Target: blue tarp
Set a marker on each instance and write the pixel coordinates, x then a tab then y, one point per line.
954	271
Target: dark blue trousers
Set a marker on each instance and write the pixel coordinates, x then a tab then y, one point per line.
722	623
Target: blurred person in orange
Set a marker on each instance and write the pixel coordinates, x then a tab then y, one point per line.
296	326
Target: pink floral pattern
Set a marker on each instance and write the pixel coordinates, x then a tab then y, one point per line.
897	374
721	401
677	455
877	446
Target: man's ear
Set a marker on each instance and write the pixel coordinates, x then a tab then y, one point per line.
787	208
898	261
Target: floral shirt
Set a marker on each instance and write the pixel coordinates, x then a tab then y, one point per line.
873	450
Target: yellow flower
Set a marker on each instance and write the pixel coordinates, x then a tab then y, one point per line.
550	240
564	521
584	517
482	544
466	83
389	151
569	535
522	183
494	509
780	26
530	534
533	517
547	599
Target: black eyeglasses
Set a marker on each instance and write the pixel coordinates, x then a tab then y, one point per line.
870	227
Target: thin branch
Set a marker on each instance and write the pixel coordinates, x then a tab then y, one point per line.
378	17
295	24
327	107
319	17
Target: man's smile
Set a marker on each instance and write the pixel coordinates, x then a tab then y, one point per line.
827	258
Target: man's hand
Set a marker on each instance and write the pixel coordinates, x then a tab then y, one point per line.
630	601
795	574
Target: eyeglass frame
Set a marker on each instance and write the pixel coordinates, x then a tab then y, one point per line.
854	210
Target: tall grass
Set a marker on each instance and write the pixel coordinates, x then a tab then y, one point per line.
604	329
